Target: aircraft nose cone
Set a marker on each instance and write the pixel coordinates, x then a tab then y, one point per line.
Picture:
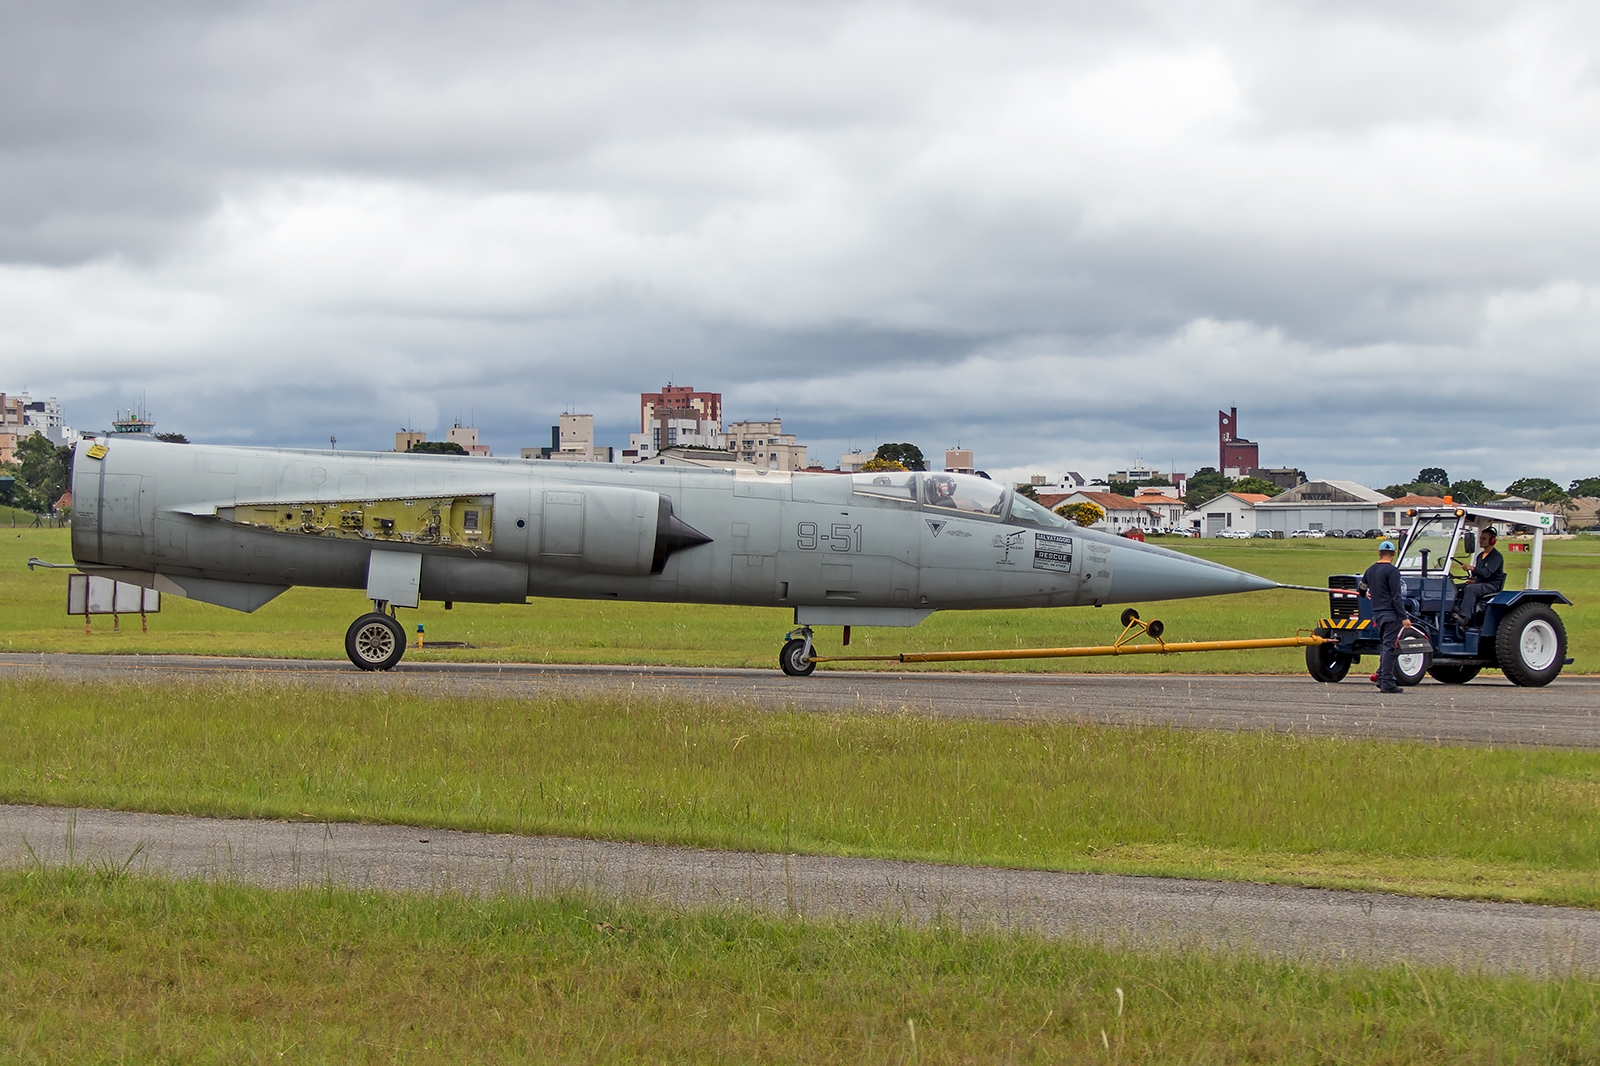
1148	573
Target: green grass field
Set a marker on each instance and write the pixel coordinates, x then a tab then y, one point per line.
1403	817
101	967
311	622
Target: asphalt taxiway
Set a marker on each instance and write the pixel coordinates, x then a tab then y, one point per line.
1487	711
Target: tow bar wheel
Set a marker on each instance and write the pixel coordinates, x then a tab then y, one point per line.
375	642
1326	664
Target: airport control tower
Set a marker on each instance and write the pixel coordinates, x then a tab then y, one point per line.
136	421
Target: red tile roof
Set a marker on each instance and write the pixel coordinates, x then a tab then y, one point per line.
1111	501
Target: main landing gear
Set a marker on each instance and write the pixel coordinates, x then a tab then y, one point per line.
795	658
376	641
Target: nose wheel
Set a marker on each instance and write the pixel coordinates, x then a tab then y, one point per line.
375	641
795	658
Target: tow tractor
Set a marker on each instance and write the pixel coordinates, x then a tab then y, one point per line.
1517	632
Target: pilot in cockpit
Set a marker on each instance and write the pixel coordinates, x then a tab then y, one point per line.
939	491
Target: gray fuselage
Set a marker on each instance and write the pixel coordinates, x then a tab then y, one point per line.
236	526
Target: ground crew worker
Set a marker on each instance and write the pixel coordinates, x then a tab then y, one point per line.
1486	574
1387	591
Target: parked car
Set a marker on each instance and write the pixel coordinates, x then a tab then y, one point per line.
1234	534
1337	534
1374	534
1354	534
1313	534
1265	534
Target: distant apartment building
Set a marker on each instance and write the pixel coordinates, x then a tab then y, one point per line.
765	445
571	441
852	461
1137	472
676	417
679	402
958	460
12	421
467	437
44	416
21	417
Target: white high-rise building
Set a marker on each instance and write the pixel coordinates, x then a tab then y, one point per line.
765	445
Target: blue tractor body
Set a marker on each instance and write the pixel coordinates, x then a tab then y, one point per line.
1516	631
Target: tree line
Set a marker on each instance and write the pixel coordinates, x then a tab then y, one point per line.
43	473
1435	481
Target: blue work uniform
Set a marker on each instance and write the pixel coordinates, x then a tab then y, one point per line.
1488	577
1387	591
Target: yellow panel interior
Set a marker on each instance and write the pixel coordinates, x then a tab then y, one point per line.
465	522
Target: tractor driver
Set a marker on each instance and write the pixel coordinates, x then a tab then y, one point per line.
1486	575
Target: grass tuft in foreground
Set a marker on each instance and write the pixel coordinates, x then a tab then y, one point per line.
1396	816
106	967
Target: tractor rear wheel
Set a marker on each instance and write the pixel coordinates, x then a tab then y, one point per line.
1326	664
1446	674
1531	645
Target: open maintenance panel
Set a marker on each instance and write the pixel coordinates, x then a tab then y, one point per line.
464	522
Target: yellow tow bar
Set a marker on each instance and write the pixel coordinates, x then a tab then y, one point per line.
1133	628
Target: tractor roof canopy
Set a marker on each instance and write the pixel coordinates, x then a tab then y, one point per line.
1538	519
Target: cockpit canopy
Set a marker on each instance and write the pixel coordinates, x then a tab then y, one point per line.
965	494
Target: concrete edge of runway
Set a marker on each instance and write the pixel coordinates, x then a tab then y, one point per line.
1318	926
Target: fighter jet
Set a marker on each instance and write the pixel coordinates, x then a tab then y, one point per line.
239	526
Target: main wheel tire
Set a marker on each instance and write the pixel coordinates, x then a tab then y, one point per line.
1410	669
1326	664
793	659
1446	674
375	642
1531	645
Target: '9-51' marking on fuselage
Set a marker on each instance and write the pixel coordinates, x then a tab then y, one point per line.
841	537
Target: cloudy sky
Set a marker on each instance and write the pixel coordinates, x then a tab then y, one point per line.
1061	234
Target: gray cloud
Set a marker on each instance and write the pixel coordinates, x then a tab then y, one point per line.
1063	235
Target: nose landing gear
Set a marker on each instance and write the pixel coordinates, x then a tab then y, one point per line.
376	641
795	658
